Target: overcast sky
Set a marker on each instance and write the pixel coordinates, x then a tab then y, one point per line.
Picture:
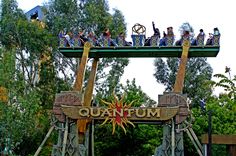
205	14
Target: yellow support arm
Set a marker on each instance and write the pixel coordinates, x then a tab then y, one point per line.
81	71
179	81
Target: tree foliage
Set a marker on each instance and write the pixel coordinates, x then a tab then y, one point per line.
198	73
96	15
223	108
9	15
118	24
60	14
21	114
23	43
228	84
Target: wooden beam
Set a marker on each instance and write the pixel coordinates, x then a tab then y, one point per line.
89	89
81	71
220	139
179	82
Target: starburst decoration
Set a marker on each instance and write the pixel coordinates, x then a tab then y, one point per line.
118	120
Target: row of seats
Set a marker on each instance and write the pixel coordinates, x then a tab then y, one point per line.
138	40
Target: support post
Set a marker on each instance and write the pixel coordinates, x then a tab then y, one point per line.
92	140
89	89
209	134
205	149
173	138
194	143
179	81
80	72
196	139
78	86
65	138
166	144
43	142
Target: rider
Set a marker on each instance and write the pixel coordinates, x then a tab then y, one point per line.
156	30
107	36
92	38
82	37
69	39
216	32
162	40
156	34
200	35
120	40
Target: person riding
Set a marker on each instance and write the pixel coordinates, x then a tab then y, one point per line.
156	34
162	40
92	38
82	37
216	32
69	39
120	40
201	35
156	30
106	35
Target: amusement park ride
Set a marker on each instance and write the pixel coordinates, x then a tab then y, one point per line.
74	116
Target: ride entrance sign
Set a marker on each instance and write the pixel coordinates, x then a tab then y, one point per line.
120	114
132	114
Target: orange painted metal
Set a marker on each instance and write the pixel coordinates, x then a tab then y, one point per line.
81	71
179	82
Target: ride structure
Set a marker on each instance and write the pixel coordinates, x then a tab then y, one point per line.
74	116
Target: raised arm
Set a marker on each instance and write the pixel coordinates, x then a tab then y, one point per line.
153	27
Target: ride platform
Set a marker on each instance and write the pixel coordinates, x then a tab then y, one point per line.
144	52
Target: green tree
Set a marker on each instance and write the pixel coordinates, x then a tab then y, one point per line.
198	73
20	115
60	15
108	76
223	109
23	44
9	15
228	84
96	15
118	24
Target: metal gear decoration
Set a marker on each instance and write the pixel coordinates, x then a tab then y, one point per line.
139	29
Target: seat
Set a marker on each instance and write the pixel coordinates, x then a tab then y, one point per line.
138	40
169	40
107	42
200	40
216	40
154	41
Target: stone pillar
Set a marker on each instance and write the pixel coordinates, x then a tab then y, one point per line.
172	99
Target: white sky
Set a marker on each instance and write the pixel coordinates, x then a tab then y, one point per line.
205	14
